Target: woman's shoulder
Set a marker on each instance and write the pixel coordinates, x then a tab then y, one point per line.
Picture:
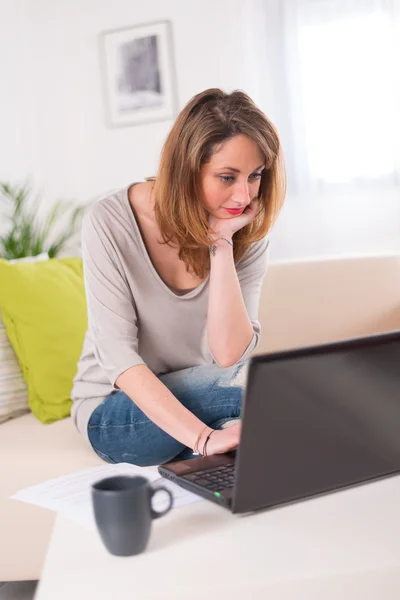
107	206
121	202
111	220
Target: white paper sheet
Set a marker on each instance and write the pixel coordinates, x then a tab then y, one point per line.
70	495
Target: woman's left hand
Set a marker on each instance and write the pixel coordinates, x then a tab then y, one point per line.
227	227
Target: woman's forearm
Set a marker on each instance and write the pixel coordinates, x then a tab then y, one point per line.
160	405
229	330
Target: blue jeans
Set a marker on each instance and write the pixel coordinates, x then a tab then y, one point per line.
119	431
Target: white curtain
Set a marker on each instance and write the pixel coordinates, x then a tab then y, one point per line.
342	84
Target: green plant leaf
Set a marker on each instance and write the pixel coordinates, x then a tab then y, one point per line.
25	235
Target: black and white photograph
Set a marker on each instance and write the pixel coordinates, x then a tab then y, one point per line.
139	76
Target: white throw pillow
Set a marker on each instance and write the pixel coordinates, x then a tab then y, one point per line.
13	389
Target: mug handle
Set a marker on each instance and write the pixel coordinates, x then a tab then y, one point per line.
154	513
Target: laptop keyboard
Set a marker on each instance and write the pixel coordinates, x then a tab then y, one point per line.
220	478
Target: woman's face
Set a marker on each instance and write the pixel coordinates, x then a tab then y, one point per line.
231	179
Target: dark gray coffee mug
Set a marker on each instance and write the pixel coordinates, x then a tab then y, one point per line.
123	512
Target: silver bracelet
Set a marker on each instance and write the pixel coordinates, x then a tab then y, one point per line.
213	248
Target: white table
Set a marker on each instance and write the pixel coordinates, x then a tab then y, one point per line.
344	545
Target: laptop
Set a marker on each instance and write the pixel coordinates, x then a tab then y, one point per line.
314	420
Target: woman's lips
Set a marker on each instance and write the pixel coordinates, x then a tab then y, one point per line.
234	211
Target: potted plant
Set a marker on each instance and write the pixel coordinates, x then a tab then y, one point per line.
24	234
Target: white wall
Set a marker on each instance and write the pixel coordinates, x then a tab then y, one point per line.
17	111
53	125
345	225
80	156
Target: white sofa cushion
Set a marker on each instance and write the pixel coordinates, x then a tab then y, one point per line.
13	389
319	301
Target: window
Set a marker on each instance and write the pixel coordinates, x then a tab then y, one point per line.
342	63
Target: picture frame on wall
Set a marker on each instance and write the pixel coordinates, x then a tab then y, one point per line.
139	74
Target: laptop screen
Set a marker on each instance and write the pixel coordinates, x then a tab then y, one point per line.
317	419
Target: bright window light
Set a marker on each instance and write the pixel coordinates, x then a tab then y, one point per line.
347	68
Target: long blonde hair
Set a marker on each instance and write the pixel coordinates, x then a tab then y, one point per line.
207	121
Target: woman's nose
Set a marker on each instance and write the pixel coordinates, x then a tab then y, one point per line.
241	196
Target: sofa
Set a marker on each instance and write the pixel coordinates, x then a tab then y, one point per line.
302	303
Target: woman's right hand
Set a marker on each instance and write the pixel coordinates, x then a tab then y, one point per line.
223	440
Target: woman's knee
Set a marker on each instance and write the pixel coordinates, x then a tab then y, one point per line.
147	452
128	449
207	384
120	432
140	444
234	376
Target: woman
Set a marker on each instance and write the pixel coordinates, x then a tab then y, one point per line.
173	271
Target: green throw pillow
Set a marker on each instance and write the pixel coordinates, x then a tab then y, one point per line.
44	311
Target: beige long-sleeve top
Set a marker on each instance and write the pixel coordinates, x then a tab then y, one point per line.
133	316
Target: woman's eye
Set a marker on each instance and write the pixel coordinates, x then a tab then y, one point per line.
230	178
